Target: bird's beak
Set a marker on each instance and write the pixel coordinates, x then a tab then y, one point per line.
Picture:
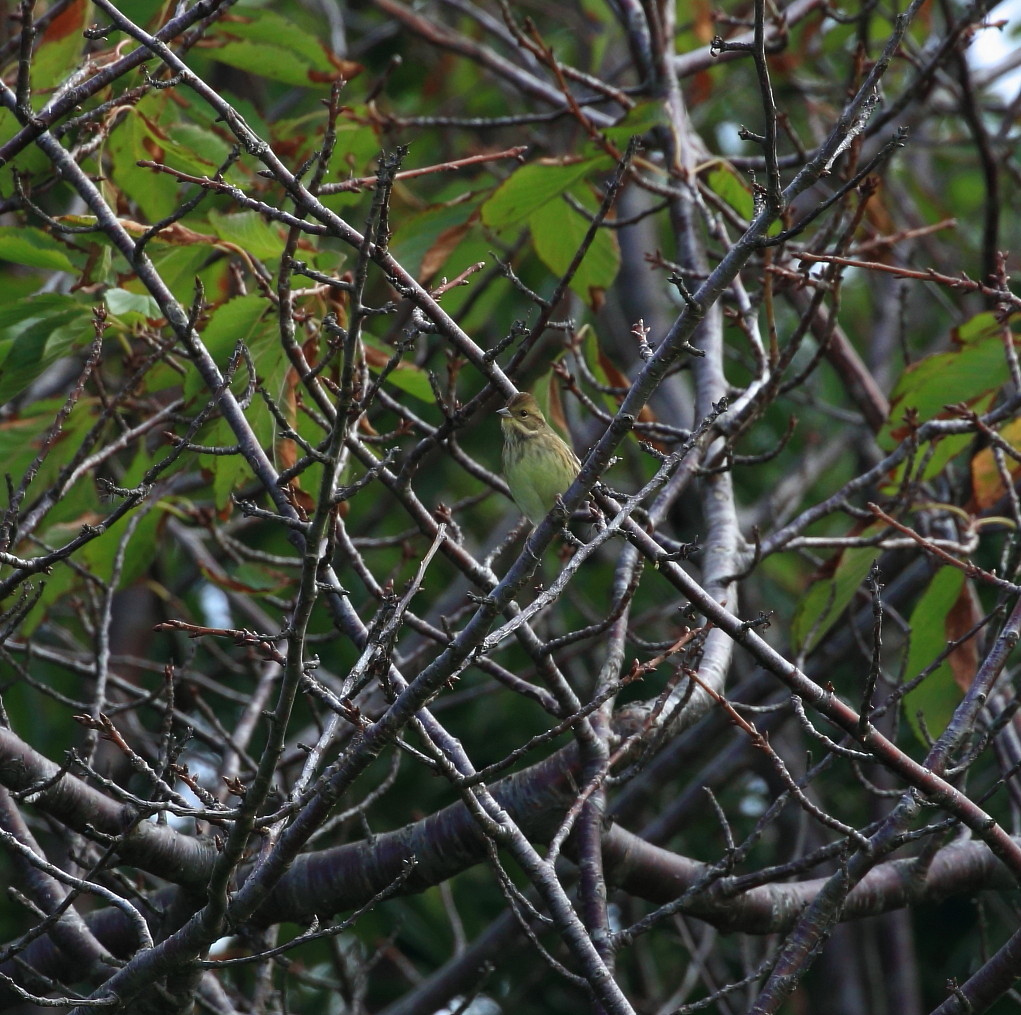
503	412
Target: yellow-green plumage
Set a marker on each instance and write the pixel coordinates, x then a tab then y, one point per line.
537	464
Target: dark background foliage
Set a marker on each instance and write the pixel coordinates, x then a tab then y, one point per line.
297	716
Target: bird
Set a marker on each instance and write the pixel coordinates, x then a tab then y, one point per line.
537	463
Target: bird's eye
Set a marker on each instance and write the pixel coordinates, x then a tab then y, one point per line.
523	413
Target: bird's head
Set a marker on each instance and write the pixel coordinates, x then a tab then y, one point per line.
522	415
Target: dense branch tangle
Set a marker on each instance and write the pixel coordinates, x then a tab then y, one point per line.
262	576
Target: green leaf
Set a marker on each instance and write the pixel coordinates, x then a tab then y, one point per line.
50	306
407	377
19	436
33	248
249	231
238	319
60	48
430	233
191	147
644	117
34	334
142	546
938	695
970	373
30	161
243	318
724	181
727	183
265	60
977	329
827	599
229	471
533	186
596	361
155	197
178	266
132	308
54	587
558	231
266	26
270	46
250	578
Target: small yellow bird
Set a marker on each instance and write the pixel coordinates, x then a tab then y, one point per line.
538	465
